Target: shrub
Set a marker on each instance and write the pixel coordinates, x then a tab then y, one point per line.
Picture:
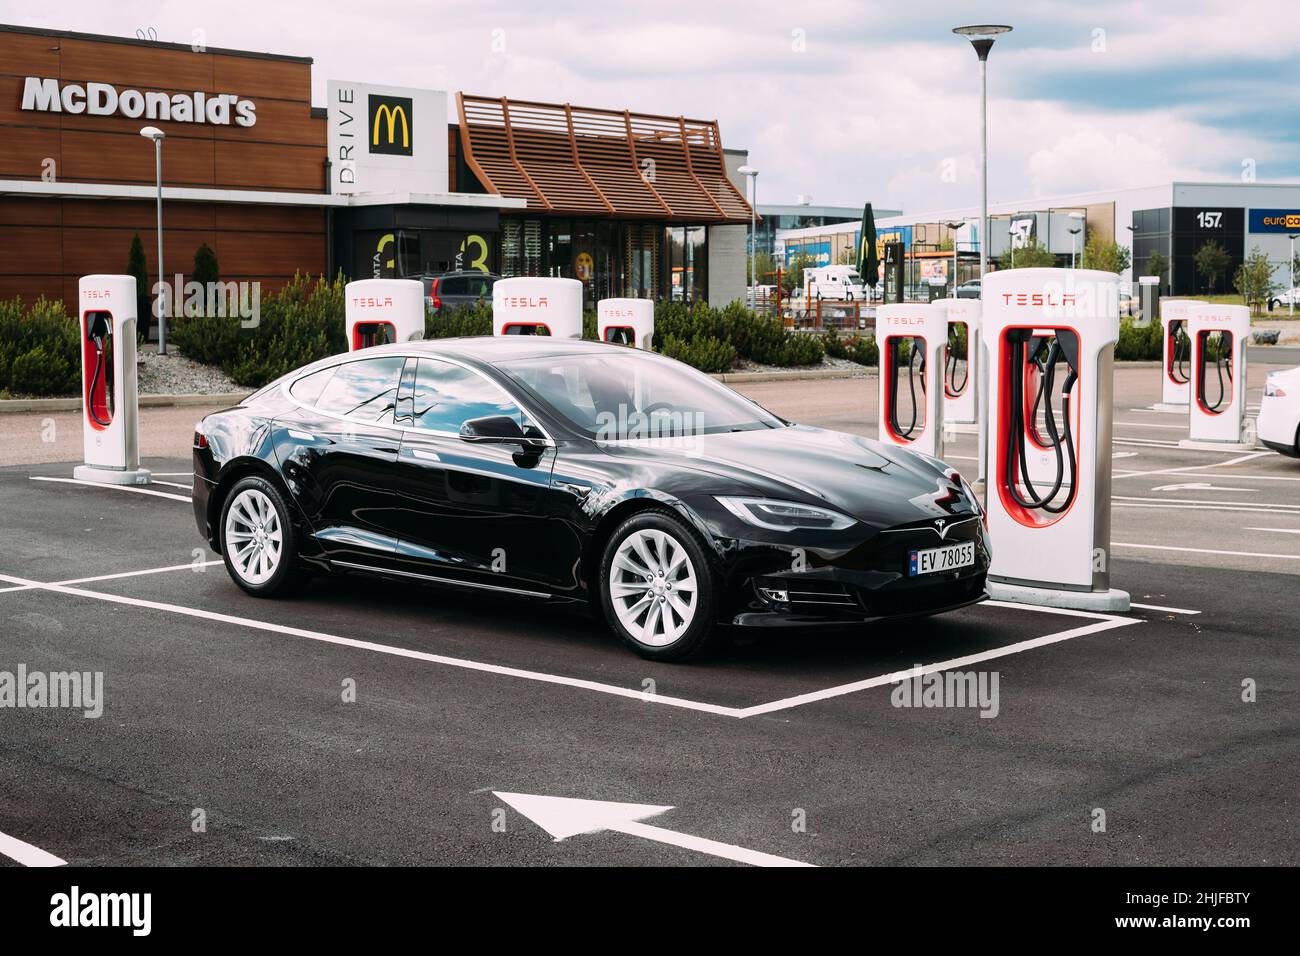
473	319
301	323
1136	344
39	349
754	337
705	353
206	268
855	348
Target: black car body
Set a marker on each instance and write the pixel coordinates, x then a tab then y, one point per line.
398	489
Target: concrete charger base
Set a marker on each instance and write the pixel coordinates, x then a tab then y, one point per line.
1107	602
109	476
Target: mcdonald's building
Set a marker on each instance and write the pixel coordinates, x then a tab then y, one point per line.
379	181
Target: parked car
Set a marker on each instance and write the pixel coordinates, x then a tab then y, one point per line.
1279	412
970	289
452	289
1287	297
564	471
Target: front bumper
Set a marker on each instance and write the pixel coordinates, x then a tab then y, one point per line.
1277	422
772	586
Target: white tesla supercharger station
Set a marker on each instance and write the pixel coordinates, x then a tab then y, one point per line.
626	321
526	305
913	341
1217	406
1050	339
1175	355
383	311
961	384
110	398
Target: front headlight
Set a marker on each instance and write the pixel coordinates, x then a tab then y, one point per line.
784	515
1272	389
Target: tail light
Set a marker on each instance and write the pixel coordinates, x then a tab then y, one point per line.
200	439
434	301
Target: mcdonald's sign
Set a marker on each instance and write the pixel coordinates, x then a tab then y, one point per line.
391	125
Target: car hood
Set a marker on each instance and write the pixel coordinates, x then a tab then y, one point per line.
879	484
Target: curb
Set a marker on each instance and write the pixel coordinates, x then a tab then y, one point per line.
16	405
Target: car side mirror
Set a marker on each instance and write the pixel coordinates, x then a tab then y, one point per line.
499	430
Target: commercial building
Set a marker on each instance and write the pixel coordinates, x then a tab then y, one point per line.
778	220
378	182
1174	219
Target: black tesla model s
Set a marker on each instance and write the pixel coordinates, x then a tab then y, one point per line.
559	470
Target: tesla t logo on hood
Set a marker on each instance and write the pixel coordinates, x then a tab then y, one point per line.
942	528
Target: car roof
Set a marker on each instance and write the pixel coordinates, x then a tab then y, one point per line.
489	349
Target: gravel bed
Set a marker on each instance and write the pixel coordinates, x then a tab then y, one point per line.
174	374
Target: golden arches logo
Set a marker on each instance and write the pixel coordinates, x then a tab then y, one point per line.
387	115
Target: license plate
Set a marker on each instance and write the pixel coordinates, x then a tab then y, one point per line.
948	558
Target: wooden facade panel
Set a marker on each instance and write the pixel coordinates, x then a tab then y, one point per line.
261	166
85	157
27	249
306	219
260	78
253	253
32	287
29	55
23	152
137	214
135	65
30	212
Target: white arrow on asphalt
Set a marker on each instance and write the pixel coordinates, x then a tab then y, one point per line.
563	817
1197	486
26	854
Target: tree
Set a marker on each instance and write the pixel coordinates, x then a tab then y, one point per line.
205	265
1211	262
1106	256
794	272
1031	255
1158	265
1254	279
848	257
136	267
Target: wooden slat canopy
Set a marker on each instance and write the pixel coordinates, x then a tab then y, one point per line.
574	160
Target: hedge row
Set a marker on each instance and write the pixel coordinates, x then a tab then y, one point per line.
38	349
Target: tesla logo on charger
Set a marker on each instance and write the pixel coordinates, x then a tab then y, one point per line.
372	302
96	294
524	301
1046	300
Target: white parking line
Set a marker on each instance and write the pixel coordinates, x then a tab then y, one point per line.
1238	554
1159	607
113	577
26	854
1106	623
1180	428
1277	530
1102	622
104	484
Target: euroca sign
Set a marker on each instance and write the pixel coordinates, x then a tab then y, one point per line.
1275	220
46	95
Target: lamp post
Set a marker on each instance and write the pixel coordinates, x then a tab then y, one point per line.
157	135
981	37
752	173
953	227
1074	239
1290	294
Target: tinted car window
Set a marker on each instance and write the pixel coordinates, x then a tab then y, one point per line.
365	390
447	395
479	286
308	388
452	285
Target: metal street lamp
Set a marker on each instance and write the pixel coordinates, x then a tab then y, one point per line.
953	227
157	135
981	37
1290	295
1074	239
752	173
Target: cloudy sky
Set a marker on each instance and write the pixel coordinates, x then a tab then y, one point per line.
842	101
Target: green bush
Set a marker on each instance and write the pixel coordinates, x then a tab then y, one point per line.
39	349
473	319
1136	344
855	348
301	323
705	353
753	337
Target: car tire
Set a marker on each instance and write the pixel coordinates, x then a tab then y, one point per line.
650	563
258	542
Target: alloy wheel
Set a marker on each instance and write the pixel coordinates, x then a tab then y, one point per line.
653	587
253	536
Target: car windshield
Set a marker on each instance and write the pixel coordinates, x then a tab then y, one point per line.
620	394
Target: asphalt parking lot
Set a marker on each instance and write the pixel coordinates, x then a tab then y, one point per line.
221	708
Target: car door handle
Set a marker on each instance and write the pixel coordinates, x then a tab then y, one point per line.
421	453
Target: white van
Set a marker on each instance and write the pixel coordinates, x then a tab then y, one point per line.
834	282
